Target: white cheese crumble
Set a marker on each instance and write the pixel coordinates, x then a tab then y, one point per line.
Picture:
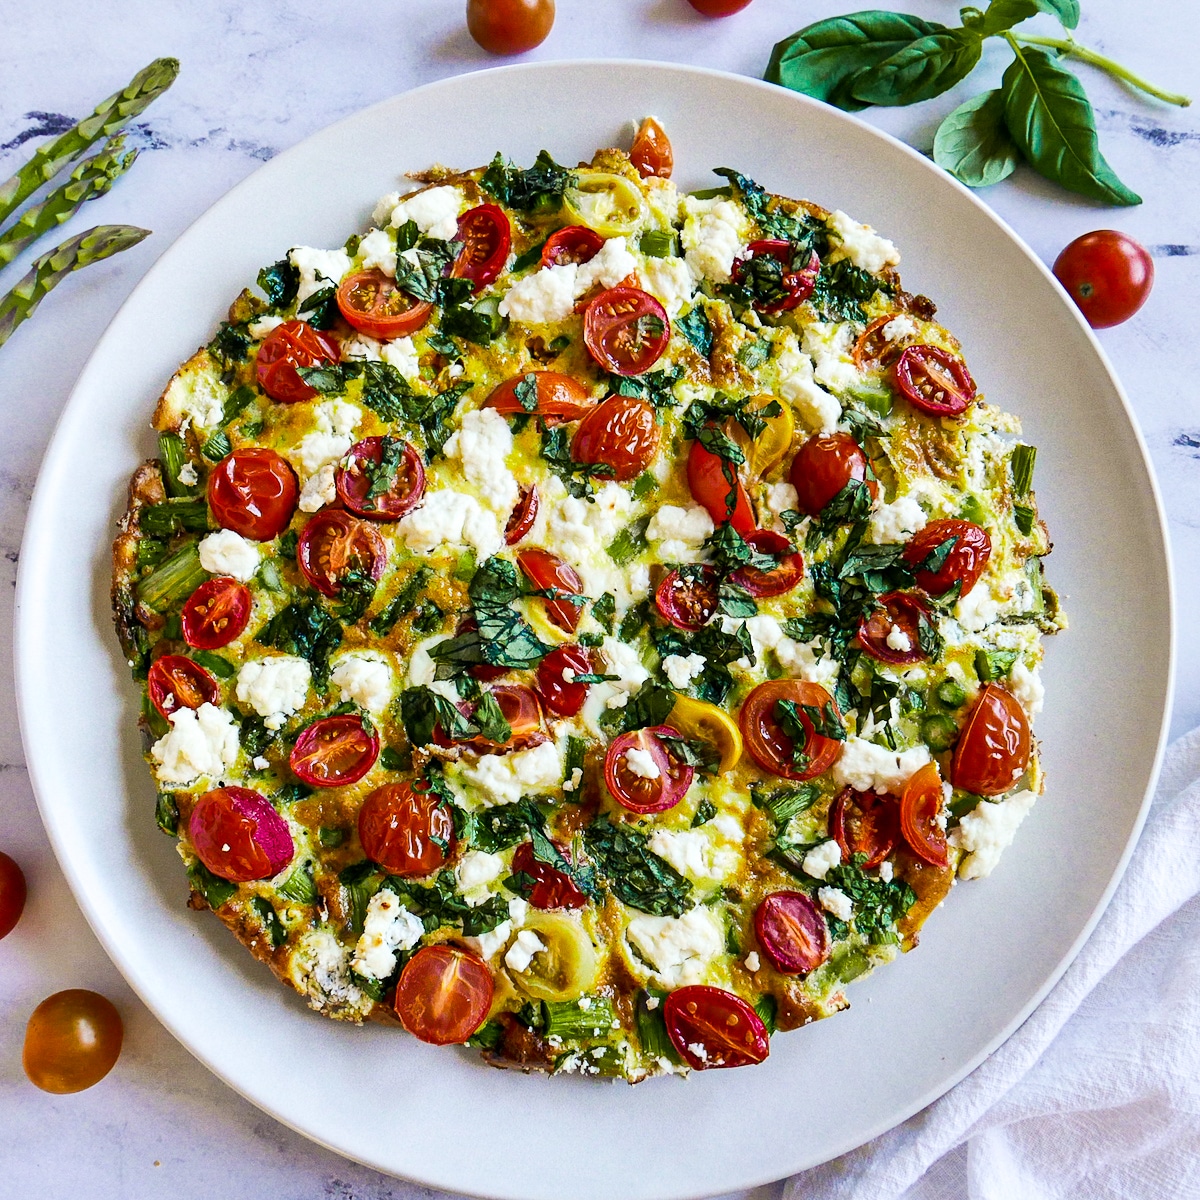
752	962
435	210
669	280
861	244
422	670
447	516
520	953
978	608
387	927
799	660
695	852
829	346
187	475
202	741
885	872
678	533
867	767
360	346
679	948
1026	686
198	396
319	448
897	639
797	384
378	252
402	354
549	294
321	969
713	236
475	870
319	489
896	522
575	527
494	940
988	830
365	679
641	763
901	326
834	900
819	859
264	325
274	687
318	269
781	498
481	445
680	670
505	778
623	661
227	553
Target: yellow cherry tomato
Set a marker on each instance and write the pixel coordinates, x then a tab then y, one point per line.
708	723
72	1041
766	451
610	204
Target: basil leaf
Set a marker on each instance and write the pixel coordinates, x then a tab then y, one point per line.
541	186
1000	15
635	874
1051	121
490	718
973	142
215	890
1067	11
629	542
279	283
696	328
921	70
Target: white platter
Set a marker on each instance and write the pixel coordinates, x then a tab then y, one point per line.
986	958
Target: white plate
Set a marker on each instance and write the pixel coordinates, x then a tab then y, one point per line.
917	1027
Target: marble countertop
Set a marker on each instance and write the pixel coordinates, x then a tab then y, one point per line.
258	78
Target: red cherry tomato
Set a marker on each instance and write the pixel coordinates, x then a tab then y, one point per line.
334	751
509	26
635	791
523	516
572	244
356	481
549	573
651	153
1107	274
687	596
486	236
559	398
175	682
407	832
521	709
333	545
934	380
710	488
12	894
823	466
626	330
777	580
254	493
920	804
374	305
561	697
896	611
773	749
864	823
792	932
72	1041
796	284
238	836
288	346
993	750
216	613
444	994
963	564
551	888
710	1027
621	433
874	347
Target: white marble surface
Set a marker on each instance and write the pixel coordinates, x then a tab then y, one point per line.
256	79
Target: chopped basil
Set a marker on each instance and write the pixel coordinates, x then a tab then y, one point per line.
306	629
994	664
271	924
1023	517
539	187
805	232
490	718
529	257
878	905
649	705
216	891
321	309
635	875
705	811
655	387
842	289
604	609
767	1008
166	813
643	485
403	603
696	328
630	542
361	881
231	344
280	282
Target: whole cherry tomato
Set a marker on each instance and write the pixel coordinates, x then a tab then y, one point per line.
333	545
794	285
406	831
774	581
239	836
993	750
772	748
651	153
362	490
73	1039
719	8
934	380
551	888
792	931
254	493
444	994
523	515
622	433
174	682
374	305
572	244
12	894
864	823
486	236
710	1027
334	751
891	632
549	573
710	488
687	596
626	330
920	804
216	613
963	564
1108	275
823	466
288	346
509	26
653	781
560	694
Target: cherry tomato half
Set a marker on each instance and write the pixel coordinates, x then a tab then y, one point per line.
626	330
770	746
374	305
993	751
288	346
334	751
549	573
486	236
651	153
561	696
558	397
406	831
523	515
521	709
645	786
333	545
386	499
792	932
254	493
239	836
823	466
934	380
793	286
444	994
509	26
891	632
1107	274
72	1041
175	682
710	1027
777	580
874	347
572	244
709	487
216	613
963	564
920	804
864	823
622	433
12	894
687	596
551	888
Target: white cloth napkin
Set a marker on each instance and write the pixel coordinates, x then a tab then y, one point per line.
1097	1095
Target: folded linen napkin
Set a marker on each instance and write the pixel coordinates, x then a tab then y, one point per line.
1097	1095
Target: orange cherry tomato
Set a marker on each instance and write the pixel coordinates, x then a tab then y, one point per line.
334	751
710	488
934	380
651	153
444	994
572	244
254	493
486	236
864	823
356	481
72	1041
175	682
288	346
333	545
920	804
239	836
12	894
523	516
216	613
551	888
374	305
792	932
621	433
626	330
687	596
549	573
823	466
406	831
963	563
896	611
777	580
993	751
509	26
710	1027
643	793
773	749
557	397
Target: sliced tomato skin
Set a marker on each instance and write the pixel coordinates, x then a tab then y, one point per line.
406	831
934	380
688	599
796	285
371	303
964	564
776	582
551	889
651	153
486	236
334	752
216	613
332	544
288	346
560	697
621	433
571	244
920	803
710	489
559	397
902	610
769	746
238	836
615	331
730	1031
864	823
254	493
547	571
523	515
444	994
402	498
993	750
176	682
646	795
792	932
823	466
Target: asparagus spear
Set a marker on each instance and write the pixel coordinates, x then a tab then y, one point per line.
92	178
147	85
51	269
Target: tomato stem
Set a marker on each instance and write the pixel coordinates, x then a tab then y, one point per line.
1073	49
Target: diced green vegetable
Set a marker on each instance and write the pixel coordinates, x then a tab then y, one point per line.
939	732
172	453
299	886
1021	464
174	580
567	1020
767	1008
222	668
652	1029
951	693
991	665
166	813
657	243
